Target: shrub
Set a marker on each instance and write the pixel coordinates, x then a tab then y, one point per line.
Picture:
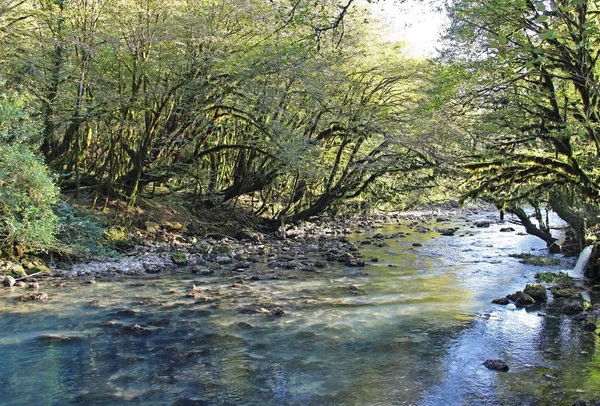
27	194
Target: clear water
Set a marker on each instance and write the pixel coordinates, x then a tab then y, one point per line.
417	335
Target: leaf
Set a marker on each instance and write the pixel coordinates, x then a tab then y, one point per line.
547	35
540	6
541	18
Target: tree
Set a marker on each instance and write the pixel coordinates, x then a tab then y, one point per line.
533	86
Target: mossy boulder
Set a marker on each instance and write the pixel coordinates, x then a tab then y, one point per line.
17	271
562	292
537	291
221	250
179	258
39	268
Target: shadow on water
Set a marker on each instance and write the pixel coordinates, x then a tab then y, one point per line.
416	335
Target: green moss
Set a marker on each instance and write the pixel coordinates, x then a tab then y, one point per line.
552	277
179	258
538	260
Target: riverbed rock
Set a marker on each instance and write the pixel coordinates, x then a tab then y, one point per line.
8	281
501	301
179	258
58	338
482	224
589	326
496	365
34	297
507	230
537	291
525	300
572	307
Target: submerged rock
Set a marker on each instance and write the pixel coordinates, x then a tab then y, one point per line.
58	338
507	230
482	224
496	365
34	297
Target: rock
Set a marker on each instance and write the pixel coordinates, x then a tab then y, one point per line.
572	307
507	229
277	312
20	284
514	296
496	365
18	271
34	285
136	328
374	259
524	300
151	268
8	281
34	297
580	402
589	326
562	292
537	291
40	269
58	338
417	244
355	289
179	258
482	224
501	301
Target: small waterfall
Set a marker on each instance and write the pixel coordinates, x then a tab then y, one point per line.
584	257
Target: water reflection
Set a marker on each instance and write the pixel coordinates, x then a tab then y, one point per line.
417	335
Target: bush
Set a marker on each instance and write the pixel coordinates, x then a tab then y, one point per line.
27	191
27	194
80	234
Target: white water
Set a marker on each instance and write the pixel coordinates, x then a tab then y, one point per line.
584	257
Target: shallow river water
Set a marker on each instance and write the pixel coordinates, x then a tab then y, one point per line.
416	335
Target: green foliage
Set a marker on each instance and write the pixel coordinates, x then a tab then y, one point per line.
80	234
538	260
27	195
560	278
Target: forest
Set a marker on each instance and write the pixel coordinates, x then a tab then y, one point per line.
291	110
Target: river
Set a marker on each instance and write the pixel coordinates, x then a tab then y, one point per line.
416	333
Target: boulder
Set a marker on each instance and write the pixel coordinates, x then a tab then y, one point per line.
507	229
525	300
8	281
537	291
496	365
482	224
501	301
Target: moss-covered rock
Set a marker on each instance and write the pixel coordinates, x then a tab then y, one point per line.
179	258
537	291
39	268
17	271
221	250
